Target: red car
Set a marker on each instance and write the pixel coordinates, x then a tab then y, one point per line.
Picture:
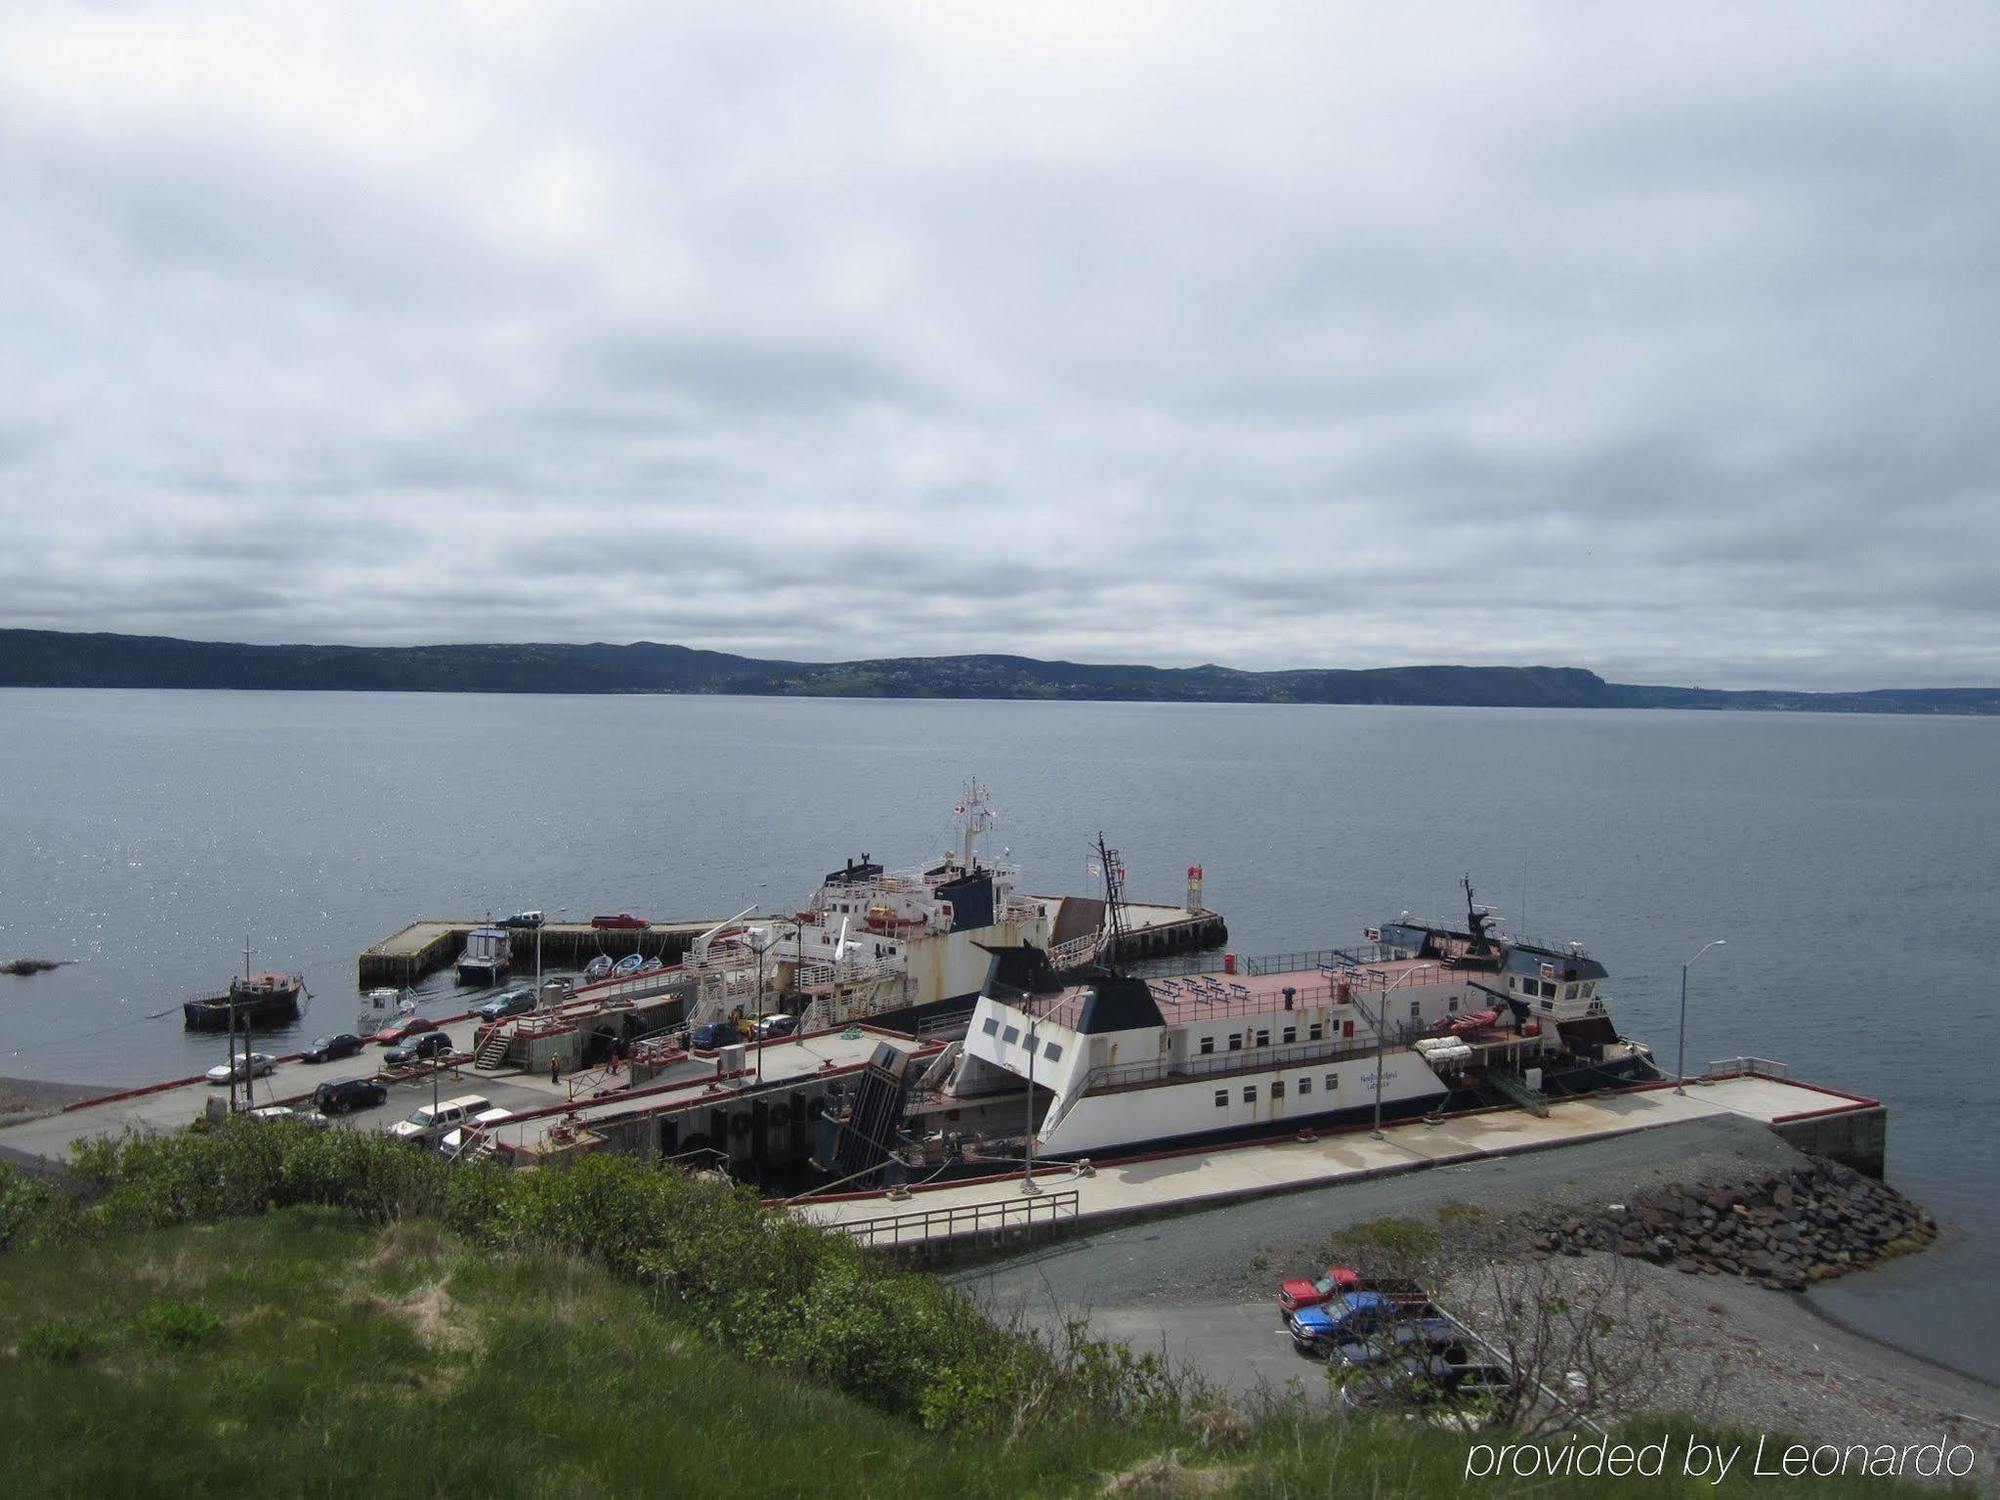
1301	1292
402	1031
623	922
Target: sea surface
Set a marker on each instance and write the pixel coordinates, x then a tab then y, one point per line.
1852	864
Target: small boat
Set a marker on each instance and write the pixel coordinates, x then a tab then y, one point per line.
598	967
631	963
652	966
489	953
268	998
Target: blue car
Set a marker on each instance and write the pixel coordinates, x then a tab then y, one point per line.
1357	1317
712	1034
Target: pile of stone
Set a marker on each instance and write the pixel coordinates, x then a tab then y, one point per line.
1784	1230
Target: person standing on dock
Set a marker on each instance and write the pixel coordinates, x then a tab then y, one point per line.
555	1069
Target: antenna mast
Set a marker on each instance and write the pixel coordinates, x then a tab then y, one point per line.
1114	894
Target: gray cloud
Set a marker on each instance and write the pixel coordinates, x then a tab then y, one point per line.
1653	341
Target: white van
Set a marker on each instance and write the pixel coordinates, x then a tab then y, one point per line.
430	1121
454	1140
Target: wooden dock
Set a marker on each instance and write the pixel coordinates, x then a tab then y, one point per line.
432	944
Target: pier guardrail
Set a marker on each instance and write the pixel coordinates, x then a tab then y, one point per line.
920	1226
1752	1067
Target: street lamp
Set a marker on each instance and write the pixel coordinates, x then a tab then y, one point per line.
1680	1062
1028	1188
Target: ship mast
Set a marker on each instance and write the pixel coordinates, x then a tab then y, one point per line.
977	816
1114	893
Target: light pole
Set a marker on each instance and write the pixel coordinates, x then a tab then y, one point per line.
1381	1037
1680	1061
1028	1188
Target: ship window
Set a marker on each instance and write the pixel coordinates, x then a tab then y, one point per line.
1222	1098
1249	1093
1207	1044
1548	1005
1263	1038
1235	1041
1053	1051
1291	1034
1416	1009
1314	1031
992	1025
1305	1085
1277	1088
1332	1082
1011	1035
1451	1004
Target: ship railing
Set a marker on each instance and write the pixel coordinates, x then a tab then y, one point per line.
923	1225
1121	1076
1747	1067
825	976
1331	962
1068	955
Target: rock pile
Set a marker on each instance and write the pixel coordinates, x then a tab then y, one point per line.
1781	1231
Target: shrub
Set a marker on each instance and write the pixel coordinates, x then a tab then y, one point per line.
178	1326
60	1341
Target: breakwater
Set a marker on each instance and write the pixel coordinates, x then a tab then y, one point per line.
1783	1230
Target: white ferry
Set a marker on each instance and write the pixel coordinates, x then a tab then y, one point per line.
1420	1018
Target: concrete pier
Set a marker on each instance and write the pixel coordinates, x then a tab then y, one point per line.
426	946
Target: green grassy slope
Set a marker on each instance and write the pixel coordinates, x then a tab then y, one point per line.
303	1352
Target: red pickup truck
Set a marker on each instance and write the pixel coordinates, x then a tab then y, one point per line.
623	922
1301	1291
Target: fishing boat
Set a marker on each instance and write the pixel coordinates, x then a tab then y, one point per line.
631	963
488	955
265	998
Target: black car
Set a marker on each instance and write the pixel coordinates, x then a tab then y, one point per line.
417	1048
349	1095
327	1048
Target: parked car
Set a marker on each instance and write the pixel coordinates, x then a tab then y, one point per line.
328	1048
623	922
1356	1317
1402	1341
427	1122
348	1095
256	1065
521	919
513	1003
776	1026
403	1030
715	1034
417	1049
454	1140
1427	1381
311	1118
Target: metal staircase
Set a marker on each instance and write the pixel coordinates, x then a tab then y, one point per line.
493	1051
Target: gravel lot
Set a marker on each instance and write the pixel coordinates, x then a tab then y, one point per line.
1201	1288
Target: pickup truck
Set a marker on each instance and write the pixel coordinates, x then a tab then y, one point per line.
1356	1317
1302	1291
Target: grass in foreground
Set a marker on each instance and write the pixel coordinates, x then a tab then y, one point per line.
305	1353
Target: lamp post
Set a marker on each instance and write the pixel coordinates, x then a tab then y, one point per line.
1680	1061
1028	1188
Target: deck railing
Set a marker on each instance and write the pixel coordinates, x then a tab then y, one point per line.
923	1225
1753	1067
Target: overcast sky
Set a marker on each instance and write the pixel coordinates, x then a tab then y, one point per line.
1657	339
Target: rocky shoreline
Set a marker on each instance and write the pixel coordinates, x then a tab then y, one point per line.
1783	1230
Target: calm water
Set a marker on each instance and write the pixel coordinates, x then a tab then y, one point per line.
1851	863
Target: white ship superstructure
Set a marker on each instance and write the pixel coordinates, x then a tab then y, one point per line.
902	949
1420	1018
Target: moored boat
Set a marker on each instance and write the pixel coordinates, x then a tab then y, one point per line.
488	955
267	998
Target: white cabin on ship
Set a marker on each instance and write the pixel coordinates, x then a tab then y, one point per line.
1423	1017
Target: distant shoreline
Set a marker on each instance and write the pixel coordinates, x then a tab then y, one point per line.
63	659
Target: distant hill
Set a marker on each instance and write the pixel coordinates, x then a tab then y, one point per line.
49	658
